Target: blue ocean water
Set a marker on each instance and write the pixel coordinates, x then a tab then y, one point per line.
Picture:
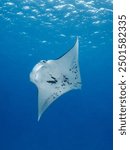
32	30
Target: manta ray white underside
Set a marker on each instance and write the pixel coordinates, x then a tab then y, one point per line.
53	78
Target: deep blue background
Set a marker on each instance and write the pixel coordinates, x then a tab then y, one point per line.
32	30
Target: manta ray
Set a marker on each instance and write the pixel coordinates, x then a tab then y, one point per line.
53	78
